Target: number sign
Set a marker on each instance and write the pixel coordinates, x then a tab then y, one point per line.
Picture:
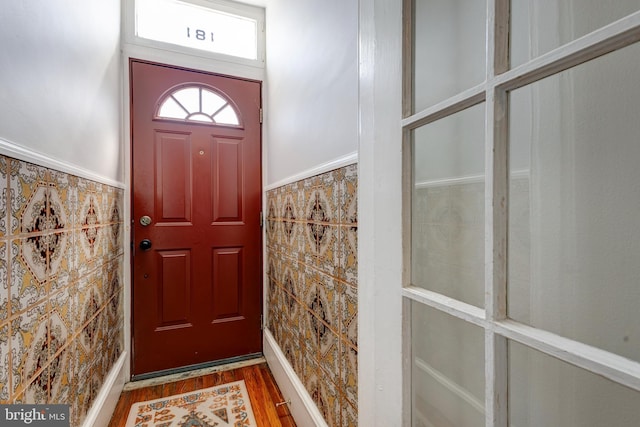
184	24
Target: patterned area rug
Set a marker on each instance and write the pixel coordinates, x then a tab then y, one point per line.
225	405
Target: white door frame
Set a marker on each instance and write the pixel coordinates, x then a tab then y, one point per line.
380	251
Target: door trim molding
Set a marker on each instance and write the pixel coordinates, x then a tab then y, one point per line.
26	154
303	409
337	163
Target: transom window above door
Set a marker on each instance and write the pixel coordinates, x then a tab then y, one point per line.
220	28
195	103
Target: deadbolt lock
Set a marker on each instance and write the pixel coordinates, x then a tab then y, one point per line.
145	220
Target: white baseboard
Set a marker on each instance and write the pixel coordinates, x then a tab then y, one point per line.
303	409
102	409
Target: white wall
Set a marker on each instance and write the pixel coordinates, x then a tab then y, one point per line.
312	84
60	74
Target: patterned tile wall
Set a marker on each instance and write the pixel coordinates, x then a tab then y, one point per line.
61	308
313	297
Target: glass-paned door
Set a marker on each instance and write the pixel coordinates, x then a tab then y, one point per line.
521	132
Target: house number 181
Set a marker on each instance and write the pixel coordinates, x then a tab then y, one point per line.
198	34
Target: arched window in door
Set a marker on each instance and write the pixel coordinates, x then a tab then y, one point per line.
198	103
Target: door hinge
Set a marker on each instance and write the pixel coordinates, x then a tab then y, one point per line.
262	322
261	115
261	220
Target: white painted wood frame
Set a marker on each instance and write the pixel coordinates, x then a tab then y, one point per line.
498	329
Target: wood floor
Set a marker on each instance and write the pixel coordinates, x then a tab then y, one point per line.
263	392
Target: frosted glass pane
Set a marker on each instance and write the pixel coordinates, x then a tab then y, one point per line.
539	26
211	102
189	98
172	110
449	49
448	206
447	377
227	116
574	227
544	391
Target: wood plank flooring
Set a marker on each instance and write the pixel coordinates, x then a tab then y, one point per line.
262	388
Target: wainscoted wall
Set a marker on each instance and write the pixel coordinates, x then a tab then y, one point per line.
61	309
312	295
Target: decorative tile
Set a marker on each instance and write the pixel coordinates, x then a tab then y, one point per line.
349	311
4	281
274	268
349	255
328	260
61	260
312	294
310	375
329	346
92	330
28	273
349	195
4	362
59	326
309	334
112	278
63	198
88	249
328	402
272	226
64	316
37	392
290	350
321	205
81	386
61	377
329	191
116	228
4	195
121	309
329	292
349	413
290	231
29	345
111	316
290	279
349	371
27	183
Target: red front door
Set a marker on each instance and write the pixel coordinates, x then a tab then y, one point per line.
197	290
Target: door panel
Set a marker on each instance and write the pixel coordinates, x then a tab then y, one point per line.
197	292
173	170
227	280
227	181
175	290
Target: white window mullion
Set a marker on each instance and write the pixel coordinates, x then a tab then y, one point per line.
617	368
496	211
496	205
614	36
466	99
455	308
